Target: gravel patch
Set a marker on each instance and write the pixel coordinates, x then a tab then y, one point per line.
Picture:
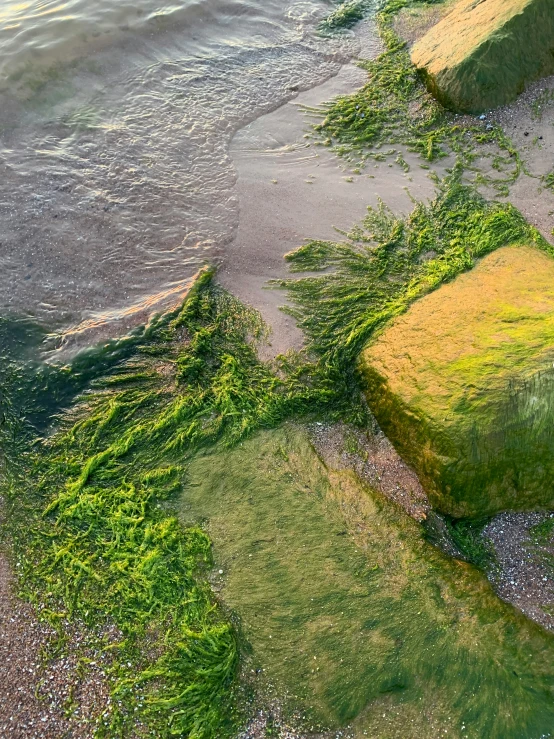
45	697
374	459
521	576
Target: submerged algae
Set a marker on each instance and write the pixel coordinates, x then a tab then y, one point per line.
346	14
351	614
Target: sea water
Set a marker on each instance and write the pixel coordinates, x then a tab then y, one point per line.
116	183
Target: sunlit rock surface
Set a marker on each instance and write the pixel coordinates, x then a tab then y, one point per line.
463	385
484	53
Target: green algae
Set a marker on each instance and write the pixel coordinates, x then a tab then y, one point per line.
89	497
394	109
350	614
372	277
427	645
548	180
94	536
345	15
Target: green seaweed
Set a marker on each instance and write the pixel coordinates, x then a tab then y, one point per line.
394	109
548	180
91	506
345	15
373	276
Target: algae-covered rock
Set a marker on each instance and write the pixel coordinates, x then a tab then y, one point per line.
484	53
463	385
349	619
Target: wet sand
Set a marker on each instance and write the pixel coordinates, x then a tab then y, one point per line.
290	190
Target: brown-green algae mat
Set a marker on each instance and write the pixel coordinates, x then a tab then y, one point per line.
353	618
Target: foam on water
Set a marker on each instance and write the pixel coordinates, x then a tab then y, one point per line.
116	183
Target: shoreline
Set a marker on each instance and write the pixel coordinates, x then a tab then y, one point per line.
291	191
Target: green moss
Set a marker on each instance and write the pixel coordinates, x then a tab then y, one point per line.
347	610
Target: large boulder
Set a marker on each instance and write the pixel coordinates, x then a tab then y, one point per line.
485	52
463	385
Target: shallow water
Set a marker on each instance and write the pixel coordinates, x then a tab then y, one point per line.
115	120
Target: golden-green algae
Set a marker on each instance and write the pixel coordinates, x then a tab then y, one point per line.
463	385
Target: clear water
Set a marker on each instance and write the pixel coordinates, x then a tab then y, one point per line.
116	183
